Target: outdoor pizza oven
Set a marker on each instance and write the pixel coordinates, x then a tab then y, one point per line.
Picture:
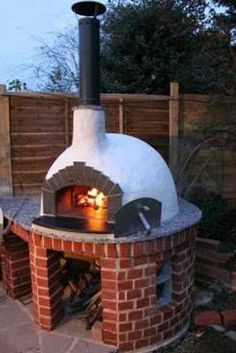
108	201
102	178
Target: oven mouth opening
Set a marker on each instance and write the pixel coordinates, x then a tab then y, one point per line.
83	202
79	208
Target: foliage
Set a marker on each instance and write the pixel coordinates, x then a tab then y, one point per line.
213	207
147	44
17	85
57	69
200	151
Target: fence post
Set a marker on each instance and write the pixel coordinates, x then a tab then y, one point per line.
121	115
3	89
174	120
5	146
67	116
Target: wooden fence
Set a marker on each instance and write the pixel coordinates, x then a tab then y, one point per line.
35	128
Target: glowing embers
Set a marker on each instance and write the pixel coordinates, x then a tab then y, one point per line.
93	198
82	201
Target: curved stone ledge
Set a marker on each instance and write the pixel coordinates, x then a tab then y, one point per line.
188	216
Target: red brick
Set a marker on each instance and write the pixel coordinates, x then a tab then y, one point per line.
149	291
125	263
108	263
134	294
127	346
136	273
109	316
47	243
122	337
57	244
106	284
155	320
142	303
77	248
162	327
109	336
124	327
142	283
149	247
88	248
111	250
141	343
150	332
125	285
167	334
142	260
141	324
126	305
174	321
121	295
109	304
122	317
125	250
40	262
159	245
67	246
207	318
100	250
110	326
167	243
37	239
135	335
167	312
110	275
135	315
229	317
109	294
151	270
121	275
156	339
138	249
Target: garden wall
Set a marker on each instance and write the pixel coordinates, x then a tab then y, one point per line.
212	265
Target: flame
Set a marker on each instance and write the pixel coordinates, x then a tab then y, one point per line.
94	198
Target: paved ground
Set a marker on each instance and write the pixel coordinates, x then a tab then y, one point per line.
18	333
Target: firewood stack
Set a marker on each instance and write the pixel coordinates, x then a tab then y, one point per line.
82	290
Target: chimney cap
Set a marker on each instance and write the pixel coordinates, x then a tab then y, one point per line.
89	8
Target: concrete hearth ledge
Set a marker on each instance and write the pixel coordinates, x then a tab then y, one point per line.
23	211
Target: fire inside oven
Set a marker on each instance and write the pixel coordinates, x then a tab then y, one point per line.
82	202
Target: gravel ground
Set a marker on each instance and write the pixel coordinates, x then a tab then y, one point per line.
204	340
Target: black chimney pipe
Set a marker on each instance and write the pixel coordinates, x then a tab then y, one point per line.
89	58
89	53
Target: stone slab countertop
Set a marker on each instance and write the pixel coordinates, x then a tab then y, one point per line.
23	211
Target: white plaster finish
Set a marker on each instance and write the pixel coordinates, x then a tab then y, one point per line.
133	164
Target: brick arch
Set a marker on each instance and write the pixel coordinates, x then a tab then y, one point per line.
81	174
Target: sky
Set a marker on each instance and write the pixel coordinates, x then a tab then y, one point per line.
23	22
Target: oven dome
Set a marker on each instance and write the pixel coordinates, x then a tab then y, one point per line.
138	168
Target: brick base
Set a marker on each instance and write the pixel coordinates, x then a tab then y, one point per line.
131	317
